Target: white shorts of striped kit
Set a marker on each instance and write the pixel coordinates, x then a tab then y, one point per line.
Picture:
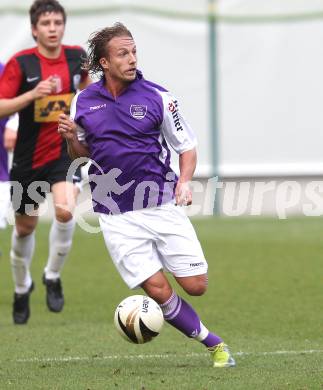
142	242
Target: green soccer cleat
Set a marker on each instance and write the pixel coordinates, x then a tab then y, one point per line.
221	356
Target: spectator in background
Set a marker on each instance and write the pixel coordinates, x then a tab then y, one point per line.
40	83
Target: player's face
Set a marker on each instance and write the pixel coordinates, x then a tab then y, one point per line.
49	30
121	63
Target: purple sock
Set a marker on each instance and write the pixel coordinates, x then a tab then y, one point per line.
183	317
211	340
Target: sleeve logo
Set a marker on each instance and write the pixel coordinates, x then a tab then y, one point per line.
173	109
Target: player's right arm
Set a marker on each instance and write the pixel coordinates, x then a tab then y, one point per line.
73	133
16	104
69	130
10	83
10	106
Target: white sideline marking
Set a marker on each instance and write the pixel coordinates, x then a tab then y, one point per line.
156	356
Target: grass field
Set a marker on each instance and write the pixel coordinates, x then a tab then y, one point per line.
264	299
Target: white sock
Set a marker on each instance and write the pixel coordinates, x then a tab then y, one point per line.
203	333
22	250
60	242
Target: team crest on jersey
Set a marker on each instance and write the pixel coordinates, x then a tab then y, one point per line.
138	111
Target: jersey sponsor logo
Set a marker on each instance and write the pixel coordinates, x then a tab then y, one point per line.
92	108
48	108
31	79
172	108
138	111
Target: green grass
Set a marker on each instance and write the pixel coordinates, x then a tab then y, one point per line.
265	295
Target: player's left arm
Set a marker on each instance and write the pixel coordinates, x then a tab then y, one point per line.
182	139
187	165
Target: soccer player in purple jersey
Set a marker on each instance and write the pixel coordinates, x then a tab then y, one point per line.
125	123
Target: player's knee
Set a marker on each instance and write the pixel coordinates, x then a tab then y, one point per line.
196	290
160	295
159	290
24	229
63	215
197	287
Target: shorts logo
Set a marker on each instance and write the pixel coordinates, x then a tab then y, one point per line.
138	111
196	264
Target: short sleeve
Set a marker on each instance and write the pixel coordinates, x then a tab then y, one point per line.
10	80
176	130
13	122
80	132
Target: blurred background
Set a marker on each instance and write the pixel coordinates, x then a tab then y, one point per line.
248	77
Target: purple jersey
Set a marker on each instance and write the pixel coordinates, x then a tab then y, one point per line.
128	140
3	153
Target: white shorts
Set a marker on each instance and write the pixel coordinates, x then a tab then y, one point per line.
142	242
4	202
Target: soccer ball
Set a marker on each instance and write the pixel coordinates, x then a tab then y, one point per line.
138	319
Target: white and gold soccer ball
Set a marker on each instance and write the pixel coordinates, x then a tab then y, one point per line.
138	319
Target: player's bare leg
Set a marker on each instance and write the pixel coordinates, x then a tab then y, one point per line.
60	242
158	287
194	285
